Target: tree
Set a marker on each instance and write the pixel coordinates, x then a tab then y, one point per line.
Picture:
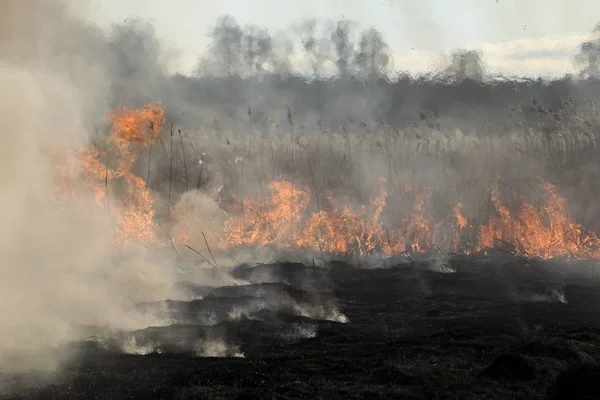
588	58
225	51
465	65
373	58
344	48
237	51
257	49
316	48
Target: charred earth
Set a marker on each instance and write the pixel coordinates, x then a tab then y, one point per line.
478	327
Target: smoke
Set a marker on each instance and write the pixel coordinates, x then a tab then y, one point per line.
59	273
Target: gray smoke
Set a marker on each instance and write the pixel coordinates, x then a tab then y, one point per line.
60	273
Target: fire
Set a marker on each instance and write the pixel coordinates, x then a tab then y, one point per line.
461	221
104	170
343	230
292	217
137	126
544	232
336	230
272	221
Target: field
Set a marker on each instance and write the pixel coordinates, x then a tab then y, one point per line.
254	231
406	272
494	327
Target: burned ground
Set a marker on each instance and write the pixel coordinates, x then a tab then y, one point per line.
492	329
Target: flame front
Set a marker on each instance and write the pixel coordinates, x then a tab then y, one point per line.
544	232
102	171
275	220
291	217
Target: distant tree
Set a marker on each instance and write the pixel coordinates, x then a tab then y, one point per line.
373	56
588	58
225	51
237	51
324	44
283	50
344	48
465	64
257	49
318	49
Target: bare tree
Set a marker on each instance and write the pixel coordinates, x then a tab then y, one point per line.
225	51
318	49
344	48
588	58
465	64
373	57
257	49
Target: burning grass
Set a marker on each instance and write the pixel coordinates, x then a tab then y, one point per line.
401	216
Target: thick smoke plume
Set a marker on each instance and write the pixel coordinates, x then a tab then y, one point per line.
59	272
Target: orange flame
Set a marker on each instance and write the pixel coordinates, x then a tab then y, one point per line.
461	221
134	221
286	217
544	232
275	221
338	230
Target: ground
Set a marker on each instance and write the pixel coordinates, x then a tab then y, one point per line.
471	329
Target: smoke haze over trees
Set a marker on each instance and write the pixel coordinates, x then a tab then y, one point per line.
335	76
327	72
588	57
332	75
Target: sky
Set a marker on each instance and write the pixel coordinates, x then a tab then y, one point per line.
516	37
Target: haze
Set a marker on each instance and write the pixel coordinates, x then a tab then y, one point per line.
516	38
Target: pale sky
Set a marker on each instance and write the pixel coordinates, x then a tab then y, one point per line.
534	37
